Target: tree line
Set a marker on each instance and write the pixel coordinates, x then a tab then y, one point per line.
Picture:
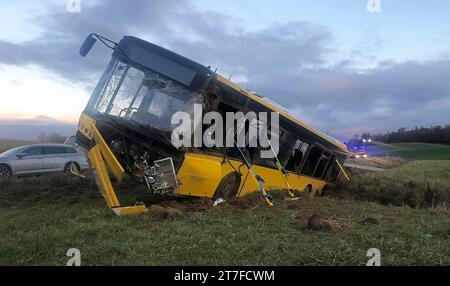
434	134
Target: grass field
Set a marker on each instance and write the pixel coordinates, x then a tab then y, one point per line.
414	151
421	183
39	223
42	217
6	144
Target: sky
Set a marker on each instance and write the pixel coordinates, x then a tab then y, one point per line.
333	64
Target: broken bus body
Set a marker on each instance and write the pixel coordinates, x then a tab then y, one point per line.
126	128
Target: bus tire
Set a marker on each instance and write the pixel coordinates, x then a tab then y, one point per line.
308	190
228	187
321	192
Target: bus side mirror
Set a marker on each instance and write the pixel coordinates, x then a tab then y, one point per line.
87	45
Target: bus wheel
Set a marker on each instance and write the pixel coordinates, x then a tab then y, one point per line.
322	192
309	191
228	187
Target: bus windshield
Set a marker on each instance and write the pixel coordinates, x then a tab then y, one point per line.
144	97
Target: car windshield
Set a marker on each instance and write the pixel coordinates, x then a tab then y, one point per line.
144	97
12	151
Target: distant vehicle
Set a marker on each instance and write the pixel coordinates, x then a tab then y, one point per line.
357	148
41	158
359	155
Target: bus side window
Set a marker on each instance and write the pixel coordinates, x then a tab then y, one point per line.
332	169
334	174
322	164
311	161
233	153
266	162
297	156
328	168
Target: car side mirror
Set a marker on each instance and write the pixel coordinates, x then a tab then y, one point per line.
87	45
21	155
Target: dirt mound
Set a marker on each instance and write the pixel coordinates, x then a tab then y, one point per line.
315	222
247	202
193	206
164	212
189	205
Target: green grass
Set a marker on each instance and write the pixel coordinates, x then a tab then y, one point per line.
423	183
6	144
42	217
39	223
416	151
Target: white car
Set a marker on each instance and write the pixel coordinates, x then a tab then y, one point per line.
41	158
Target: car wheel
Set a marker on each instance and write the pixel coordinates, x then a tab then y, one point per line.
68	165
5	171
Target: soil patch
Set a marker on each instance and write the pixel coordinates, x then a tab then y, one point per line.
317	223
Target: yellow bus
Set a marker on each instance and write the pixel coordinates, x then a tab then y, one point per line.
126	129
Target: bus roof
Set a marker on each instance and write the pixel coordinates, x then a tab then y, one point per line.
318	136
195	72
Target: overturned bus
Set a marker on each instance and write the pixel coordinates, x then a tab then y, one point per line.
126	129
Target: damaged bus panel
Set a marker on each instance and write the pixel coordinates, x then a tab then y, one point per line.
126	129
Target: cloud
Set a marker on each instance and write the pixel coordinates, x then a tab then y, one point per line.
384	98
29	129
288	62
203	36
